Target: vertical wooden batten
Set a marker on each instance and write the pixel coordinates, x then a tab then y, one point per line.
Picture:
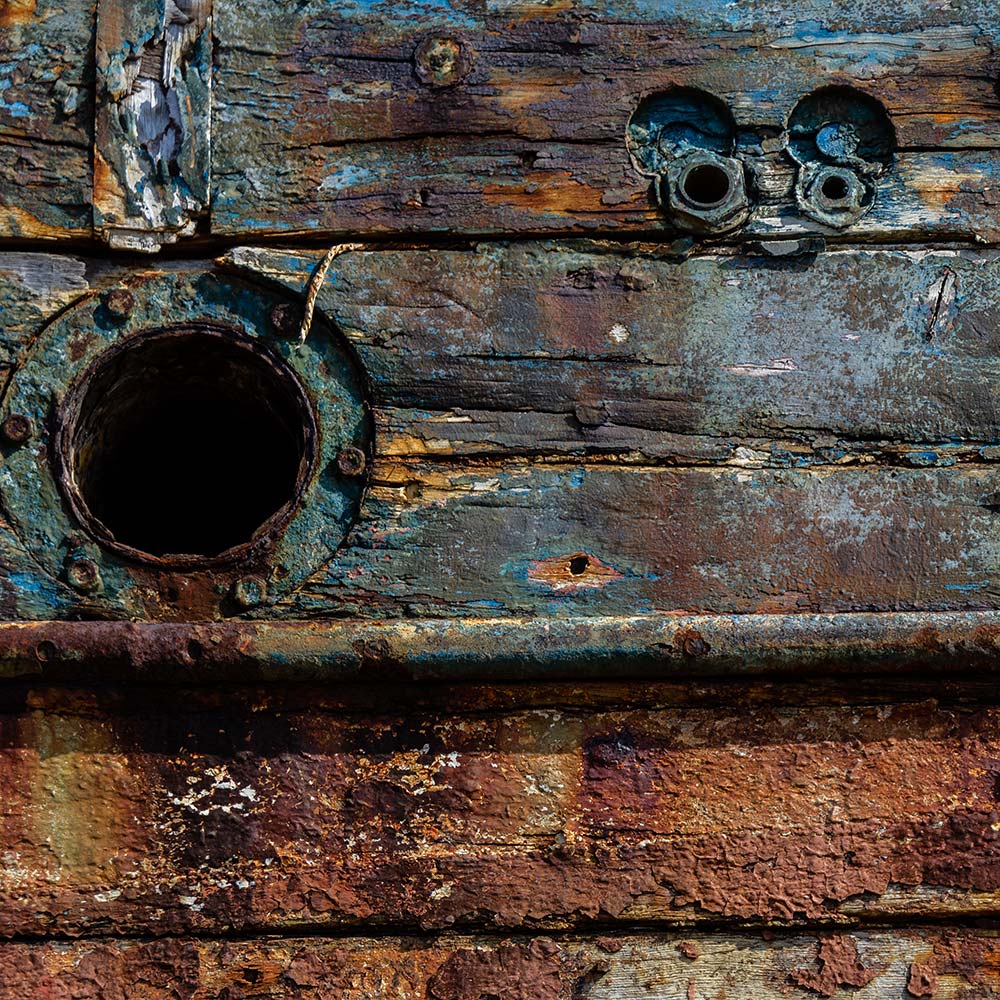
152	146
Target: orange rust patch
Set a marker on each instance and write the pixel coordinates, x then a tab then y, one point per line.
555	192
921	981
840	965
14	12
576	570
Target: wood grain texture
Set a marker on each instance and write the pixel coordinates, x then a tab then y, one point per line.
193	814
46	118
326	121
575	432
152	151
551	349
959	964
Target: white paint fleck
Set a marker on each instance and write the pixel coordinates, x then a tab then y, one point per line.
619	333
776	366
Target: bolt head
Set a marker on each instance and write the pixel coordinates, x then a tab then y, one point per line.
441	62
687	211
83	575
17	429
119	302
833	196
351	461
250	591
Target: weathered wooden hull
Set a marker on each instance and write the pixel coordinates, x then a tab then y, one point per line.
628	622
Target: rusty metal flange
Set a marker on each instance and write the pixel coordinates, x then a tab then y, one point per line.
85	350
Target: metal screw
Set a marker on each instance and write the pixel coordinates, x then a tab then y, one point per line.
441	62
119	302
83	575
286	319
351	461
249	591
17	429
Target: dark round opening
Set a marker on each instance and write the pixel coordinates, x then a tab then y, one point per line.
834	188
186	442
706	184
578	565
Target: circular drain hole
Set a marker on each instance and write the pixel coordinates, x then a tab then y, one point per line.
186	445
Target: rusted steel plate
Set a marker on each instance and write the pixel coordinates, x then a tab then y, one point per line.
514	118
905	962
46	118
152	146
122	815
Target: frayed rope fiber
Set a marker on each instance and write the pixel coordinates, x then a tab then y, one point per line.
316	283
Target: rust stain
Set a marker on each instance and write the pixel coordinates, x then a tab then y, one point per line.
921	980
575	571
514	972
839	966
689	949
14	12
556	193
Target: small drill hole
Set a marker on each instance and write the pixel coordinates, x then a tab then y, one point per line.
185	442
578	565
706	184
834	188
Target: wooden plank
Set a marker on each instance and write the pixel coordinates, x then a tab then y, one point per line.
959	964
553	349
717	435
185	814
152	159
328	120
560	540
46	118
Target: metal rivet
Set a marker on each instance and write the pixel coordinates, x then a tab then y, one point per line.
17	429
83	575
46	651
286	319
441	62
695	645
351	461
119	302
249	591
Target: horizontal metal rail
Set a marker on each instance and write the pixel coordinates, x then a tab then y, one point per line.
648	646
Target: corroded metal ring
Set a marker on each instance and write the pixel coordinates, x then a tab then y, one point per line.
323	397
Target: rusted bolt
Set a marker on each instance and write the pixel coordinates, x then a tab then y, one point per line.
83	575
249	591
694	645
17	429
46	651
833	195
441	62
286	319
705	192
351	461
119	302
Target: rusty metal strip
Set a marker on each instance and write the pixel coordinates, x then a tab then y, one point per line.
152	138
501	649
